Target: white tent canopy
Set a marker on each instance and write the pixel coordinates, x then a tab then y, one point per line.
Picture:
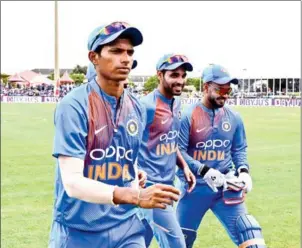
40	79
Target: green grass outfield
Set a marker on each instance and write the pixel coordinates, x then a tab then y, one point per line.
27	173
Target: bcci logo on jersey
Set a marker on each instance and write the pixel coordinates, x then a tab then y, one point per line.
226	126
132	127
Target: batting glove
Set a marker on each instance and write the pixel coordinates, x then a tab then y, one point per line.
247	180
214	178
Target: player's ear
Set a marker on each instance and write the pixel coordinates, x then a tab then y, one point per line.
160	75
205	87
93	56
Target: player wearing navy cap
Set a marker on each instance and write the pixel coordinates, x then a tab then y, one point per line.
213	143
98	131
159	151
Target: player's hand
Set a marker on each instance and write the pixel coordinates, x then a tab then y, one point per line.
142	178
157	196
214	178
190	178
247	180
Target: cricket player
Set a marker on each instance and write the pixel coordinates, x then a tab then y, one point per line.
159	152
98	131
213	143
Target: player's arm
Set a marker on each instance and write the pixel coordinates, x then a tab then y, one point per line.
239	147
181	163
190	178
85	189
239	155
194	165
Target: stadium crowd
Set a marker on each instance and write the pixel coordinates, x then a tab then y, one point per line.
40	90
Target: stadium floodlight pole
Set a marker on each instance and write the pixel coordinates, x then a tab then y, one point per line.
56	70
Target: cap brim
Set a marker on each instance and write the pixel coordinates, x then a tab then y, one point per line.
134	34
226	80
186	65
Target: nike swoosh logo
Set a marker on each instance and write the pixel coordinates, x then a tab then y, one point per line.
99	130
199	130
164	121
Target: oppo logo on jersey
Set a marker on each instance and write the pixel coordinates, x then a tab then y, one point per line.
118	153
207	150
213	144
171	135
169	145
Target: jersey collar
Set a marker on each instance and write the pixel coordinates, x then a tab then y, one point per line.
162	97
110	99
209	111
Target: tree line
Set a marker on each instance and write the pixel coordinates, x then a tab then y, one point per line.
78	75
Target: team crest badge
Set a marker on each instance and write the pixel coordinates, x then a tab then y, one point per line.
226	126
132	127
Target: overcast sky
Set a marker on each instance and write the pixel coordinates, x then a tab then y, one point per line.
262	37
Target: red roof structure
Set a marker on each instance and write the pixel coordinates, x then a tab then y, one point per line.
16	78
66	78
24	77
28	75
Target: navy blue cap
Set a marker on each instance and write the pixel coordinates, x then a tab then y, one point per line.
217	74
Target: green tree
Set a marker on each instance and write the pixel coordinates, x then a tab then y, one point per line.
151	83
52	76
195	82
77	77
4	77
130	84
79	70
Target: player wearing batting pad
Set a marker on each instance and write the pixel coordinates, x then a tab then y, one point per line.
213	142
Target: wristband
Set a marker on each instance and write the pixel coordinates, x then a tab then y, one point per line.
204	170
243	169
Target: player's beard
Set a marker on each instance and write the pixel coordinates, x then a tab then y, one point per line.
171	89
179	88
217	102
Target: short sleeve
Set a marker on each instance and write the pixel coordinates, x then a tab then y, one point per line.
71	128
